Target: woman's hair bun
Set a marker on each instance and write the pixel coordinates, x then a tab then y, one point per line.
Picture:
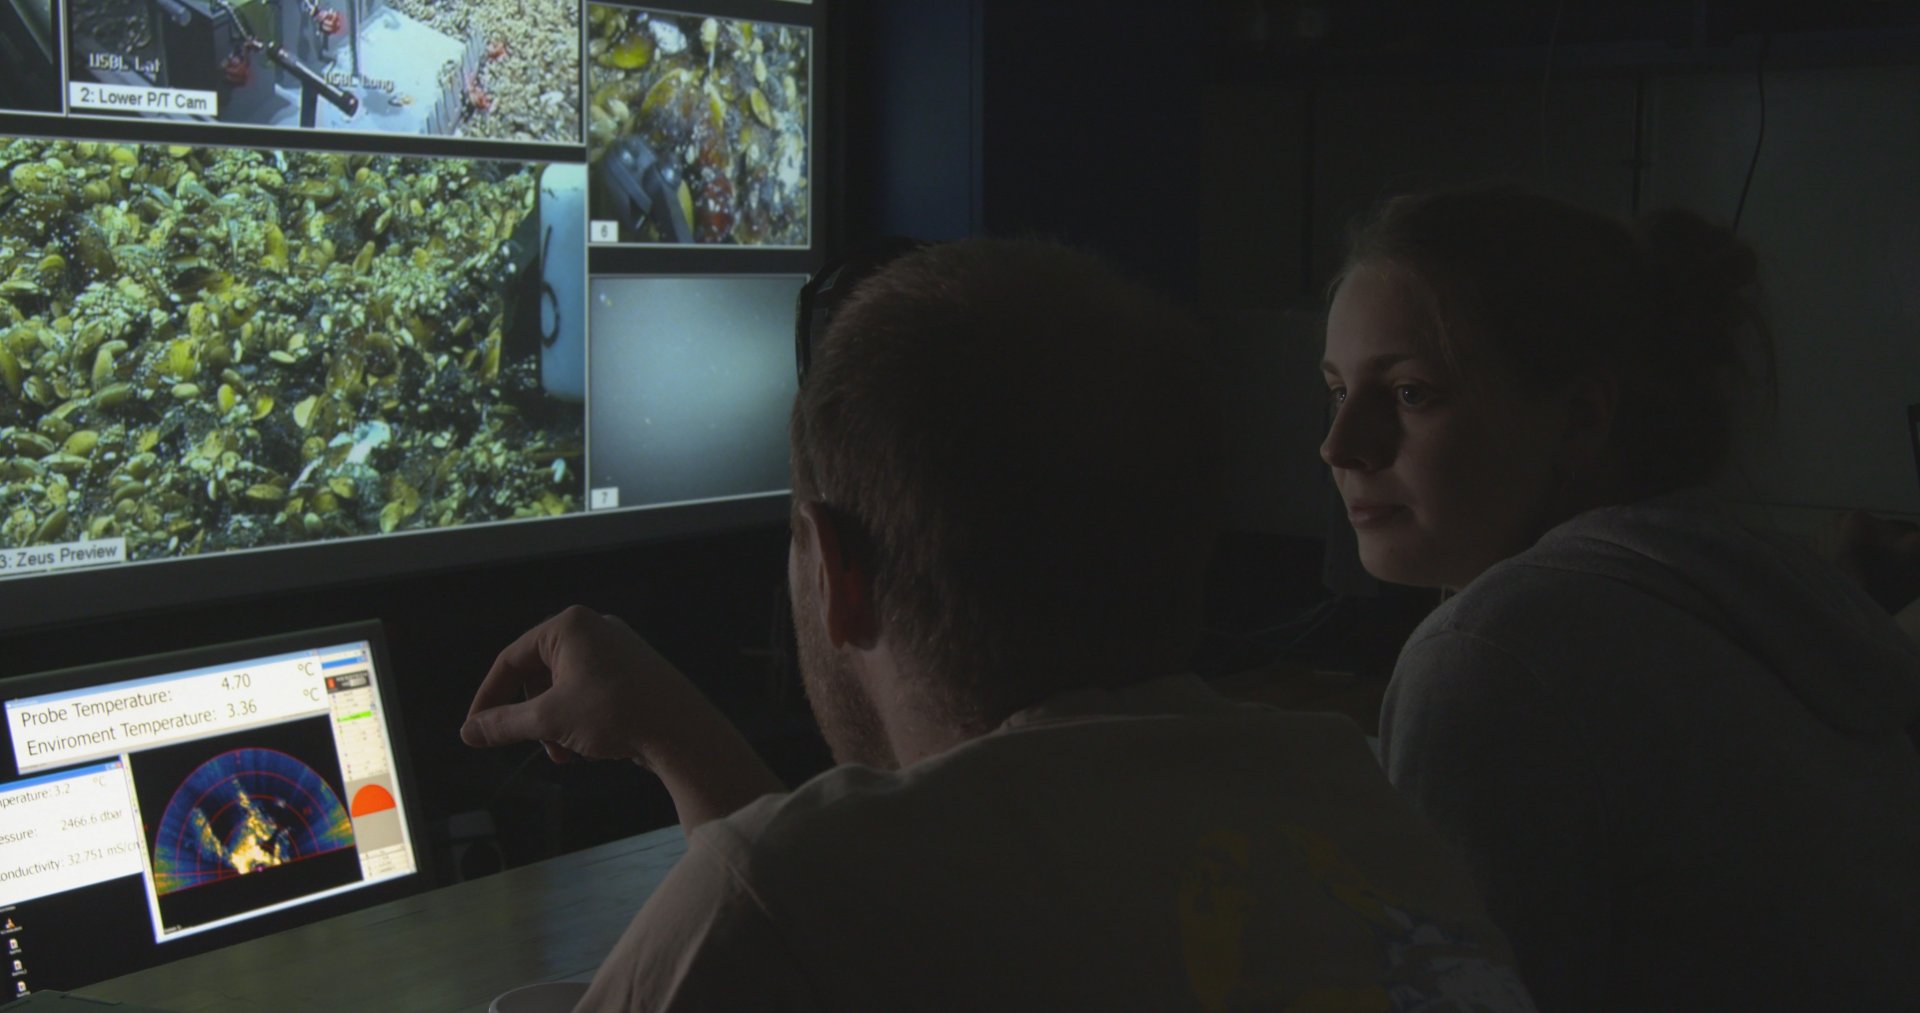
1697	259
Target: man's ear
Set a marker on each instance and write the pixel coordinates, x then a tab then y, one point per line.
841	583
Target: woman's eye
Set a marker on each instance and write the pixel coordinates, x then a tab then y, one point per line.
1411	395
1336	396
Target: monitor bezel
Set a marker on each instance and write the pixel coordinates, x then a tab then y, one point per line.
1913	433
48	600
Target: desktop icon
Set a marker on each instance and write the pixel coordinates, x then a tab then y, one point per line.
13	945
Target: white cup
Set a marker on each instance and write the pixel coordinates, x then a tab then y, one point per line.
545	997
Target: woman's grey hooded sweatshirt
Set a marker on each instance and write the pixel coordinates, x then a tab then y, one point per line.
1677	756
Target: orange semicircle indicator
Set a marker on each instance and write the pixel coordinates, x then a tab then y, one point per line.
371	799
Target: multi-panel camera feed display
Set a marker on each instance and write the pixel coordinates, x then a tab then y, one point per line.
284	272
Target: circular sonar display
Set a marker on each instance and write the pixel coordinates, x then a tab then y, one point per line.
243	811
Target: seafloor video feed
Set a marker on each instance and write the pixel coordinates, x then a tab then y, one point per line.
213	349
525	83
693	379
29	43
464	68
238	822
697	128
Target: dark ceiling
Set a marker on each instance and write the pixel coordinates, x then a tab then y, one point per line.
1291	36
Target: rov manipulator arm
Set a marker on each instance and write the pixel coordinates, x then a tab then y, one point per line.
312	85
643	185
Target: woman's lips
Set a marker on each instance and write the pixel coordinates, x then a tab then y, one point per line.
1364	514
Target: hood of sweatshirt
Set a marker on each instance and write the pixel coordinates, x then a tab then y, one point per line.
1835	649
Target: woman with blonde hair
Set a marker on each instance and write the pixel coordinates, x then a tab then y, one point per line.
1676	752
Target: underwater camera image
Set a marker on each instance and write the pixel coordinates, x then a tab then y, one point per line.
697	127
695	376
335	345
523	82
29	47
461	68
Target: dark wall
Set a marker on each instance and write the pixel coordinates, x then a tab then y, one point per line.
1089	129
1073	120
912	144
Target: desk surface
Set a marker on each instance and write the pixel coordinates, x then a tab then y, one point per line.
449	949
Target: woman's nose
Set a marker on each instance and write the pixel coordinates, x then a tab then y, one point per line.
1355	440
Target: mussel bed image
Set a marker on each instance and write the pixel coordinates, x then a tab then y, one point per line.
120	27
325	349
720	105
527	85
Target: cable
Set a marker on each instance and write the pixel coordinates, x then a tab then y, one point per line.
1282	638
512	775
547	292
1760	137
1639	137
1312	616
1760	80
1326	616
1546	78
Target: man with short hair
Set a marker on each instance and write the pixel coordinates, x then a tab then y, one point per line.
1005	477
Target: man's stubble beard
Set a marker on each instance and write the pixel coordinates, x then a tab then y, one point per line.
846	715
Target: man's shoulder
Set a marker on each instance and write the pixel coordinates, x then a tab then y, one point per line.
1055	765
832	794
1027	835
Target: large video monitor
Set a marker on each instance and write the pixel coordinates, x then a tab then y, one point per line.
157	807
305	291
